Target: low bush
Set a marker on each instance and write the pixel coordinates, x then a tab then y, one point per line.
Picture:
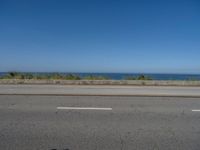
140	77
92	77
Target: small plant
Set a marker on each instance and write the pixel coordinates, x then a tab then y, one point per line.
143	77
92	77
193	79
129	78
13	75
72	77
140	77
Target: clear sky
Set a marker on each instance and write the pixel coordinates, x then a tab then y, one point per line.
149	36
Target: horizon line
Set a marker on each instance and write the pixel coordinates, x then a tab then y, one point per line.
102	72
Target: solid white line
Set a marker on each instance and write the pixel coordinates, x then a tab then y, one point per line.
84	108
196	110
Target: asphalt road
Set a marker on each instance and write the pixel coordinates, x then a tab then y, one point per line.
100	90
107	123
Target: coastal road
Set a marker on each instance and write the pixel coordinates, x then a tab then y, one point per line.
41	122
100	90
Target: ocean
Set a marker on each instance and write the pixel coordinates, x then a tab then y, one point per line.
120	76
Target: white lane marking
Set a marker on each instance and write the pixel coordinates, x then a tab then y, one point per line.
196	110
84	108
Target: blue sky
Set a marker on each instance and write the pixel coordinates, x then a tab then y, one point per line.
157	36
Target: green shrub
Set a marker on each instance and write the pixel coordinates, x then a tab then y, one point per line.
72	77
92	77
140	77
143	77
129	78
192	79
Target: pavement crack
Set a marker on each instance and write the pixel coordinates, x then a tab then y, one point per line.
183	113
121	143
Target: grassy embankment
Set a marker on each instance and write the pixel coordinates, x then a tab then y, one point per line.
59	76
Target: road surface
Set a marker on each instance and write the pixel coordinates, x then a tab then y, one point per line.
33	122
101	90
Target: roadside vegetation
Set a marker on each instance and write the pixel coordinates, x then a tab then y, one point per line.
50	76
140	77
60	76
193	79
70	76
92	77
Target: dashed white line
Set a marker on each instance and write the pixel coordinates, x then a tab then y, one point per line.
196	110
84	108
